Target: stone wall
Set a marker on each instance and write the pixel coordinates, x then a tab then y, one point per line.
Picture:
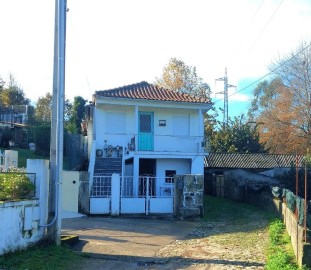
84	194
188	197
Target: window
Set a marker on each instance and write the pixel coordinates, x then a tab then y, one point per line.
169	176
181	126
115	122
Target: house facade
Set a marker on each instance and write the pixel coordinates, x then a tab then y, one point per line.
147	135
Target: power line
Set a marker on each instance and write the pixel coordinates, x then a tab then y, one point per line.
266	75
266	25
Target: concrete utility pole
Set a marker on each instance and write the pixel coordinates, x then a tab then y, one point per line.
225	92
57	126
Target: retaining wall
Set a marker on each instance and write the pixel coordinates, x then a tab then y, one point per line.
19	225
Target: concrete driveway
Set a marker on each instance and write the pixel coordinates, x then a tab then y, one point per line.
125	236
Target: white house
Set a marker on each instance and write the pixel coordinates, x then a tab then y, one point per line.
146	134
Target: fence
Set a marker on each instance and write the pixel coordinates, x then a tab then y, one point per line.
145	195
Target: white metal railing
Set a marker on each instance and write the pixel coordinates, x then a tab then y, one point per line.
162	143
147	186
127	186
178	143
101	186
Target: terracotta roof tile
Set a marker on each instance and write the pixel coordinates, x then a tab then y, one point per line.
144	90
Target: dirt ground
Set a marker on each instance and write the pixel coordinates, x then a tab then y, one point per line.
121	243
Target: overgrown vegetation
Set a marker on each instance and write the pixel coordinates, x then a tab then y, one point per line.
42	256
244	233
280	254
15	185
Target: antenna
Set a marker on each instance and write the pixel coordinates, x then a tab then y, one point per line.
225	92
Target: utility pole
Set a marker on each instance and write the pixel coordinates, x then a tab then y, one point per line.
225	92
57	125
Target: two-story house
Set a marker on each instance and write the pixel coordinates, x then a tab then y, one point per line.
147	135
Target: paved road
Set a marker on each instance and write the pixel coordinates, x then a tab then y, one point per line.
125	242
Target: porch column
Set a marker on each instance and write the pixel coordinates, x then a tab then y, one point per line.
136	127
201	130
115	194
136	175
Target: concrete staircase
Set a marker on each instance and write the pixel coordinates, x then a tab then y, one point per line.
108	166
105	167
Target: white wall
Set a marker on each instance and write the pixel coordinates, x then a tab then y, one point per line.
197	165
21	220
122	117
182	166
19	225
166	138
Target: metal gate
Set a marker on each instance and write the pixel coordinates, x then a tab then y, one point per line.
145	199
100	198
140	197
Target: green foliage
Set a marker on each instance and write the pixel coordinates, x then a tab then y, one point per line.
6	134
280	252
276	229
42	137
13	94
238	137
43	109
77	113
15	186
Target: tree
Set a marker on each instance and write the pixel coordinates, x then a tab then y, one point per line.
43	108
238	137
76	115
13	94
283	107
1	84
179	77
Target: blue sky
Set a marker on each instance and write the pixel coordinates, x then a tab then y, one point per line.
120	42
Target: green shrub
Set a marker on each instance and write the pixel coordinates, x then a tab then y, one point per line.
280	252
276	229
280	261
15	186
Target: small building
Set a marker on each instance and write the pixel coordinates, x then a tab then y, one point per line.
230	174
147	135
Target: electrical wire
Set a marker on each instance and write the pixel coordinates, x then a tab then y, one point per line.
266	75
266	25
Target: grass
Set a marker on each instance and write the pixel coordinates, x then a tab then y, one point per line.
279	251
280	254
42	256
219	209
24	154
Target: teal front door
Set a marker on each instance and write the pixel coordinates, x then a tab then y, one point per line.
145	132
